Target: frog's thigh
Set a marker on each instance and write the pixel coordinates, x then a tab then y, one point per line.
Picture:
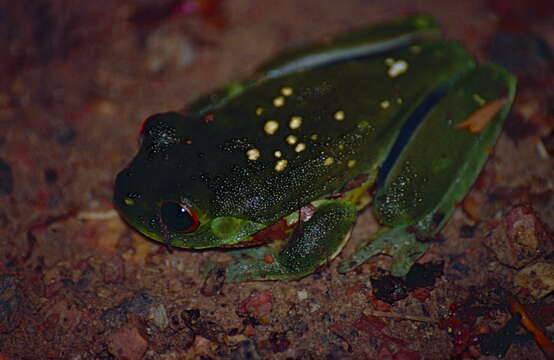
319	239
438	166
311	245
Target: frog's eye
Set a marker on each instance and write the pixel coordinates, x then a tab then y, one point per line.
178	217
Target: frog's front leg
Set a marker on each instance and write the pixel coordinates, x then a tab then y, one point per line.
312	244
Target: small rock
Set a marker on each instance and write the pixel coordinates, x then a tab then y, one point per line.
208	329
389	288
127	343
302	294
519	238
257	304
142	305
214	281
202	347
314	307
538	278
159	316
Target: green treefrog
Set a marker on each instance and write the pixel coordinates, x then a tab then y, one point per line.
392	110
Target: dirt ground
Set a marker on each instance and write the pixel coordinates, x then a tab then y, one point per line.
76	282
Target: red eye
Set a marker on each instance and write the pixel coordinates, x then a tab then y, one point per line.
178	217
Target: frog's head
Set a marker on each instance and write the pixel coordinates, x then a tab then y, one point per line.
161	196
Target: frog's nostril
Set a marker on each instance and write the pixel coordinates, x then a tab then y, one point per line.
122	195
131	198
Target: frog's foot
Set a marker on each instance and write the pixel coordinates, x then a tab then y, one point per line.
312	244
397	242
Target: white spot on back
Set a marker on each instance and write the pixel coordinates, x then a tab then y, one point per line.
396	67
385	104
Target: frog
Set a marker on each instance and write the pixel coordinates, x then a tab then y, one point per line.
392	116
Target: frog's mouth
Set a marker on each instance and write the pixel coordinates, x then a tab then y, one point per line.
225	231
218	232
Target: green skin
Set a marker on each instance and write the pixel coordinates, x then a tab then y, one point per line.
353	95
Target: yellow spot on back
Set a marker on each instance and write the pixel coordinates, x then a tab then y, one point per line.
328	161
351	163
271	127
363	125
479	99
253	154
385	104
291	139
300	147
281	165
279	101
339	115
259	111
313	137
286	91
129	201
295	122
277	154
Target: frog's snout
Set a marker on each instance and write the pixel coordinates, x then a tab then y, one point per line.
122	196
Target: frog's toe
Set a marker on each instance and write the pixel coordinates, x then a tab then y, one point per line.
397	242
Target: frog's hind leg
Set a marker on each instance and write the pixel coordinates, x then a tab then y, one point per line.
437	166
312	244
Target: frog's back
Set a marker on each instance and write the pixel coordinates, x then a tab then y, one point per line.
294	139
286	141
